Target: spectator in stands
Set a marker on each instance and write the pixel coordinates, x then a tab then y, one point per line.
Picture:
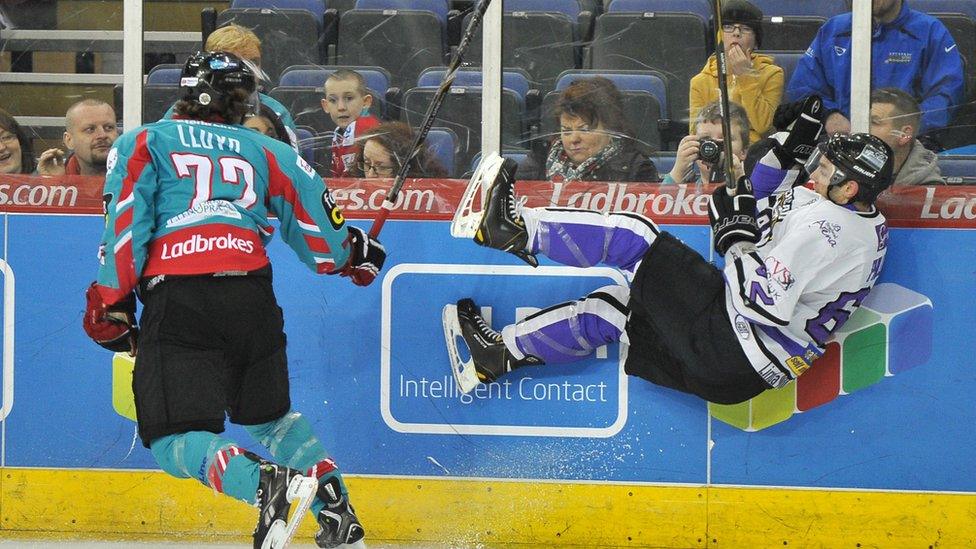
347	102
385	147
595	141
268	123
754	81
89	132
895	118
910	50
708	125
16	154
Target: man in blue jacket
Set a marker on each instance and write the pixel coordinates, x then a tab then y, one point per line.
910	50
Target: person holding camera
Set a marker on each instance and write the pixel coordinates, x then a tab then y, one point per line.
703	149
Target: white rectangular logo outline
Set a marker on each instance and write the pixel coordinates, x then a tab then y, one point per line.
474	429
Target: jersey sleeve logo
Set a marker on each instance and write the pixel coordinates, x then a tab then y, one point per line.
332	210
111	161
304	166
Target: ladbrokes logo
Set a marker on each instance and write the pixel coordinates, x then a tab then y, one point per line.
197	244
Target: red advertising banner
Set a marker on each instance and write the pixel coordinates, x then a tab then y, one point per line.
944	206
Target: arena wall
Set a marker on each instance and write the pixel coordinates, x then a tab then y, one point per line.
571	455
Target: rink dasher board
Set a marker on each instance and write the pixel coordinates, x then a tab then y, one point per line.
877	439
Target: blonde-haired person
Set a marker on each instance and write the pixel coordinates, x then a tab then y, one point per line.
755	82
242	42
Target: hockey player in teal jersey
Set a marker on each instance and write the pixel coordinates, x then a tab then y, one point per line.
186	206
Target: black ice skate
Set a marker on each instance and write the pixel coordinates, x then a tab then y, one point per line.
490	359
338	524
501	226
280	489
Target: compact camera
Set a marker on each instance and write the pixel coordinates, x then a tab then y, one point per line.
710	151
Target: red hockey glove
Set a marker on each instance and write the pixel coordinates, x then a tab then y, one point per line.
366	257
111	326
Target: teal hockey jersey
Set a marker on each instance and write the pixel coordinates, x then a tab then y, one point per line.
186	197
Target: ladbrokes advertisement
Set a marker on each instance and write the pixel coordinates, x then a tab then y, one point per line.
891	398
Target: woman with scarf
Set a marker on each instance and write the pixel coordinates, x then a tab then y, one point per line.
595	141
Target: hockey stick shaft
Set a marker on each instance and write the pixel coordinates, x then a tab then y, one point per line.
429	116
723	92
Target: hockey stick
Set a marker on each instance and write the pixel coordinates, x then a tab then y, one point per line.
723	92
429	116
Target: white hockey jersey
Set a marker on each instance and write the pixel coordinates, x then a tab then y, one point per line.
813	266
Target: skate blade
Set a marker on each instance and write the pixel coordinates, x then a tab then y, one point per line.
354	545
464	372
301	492
466	218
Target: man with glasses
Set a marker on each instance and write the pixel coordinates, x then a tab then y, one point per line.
755	82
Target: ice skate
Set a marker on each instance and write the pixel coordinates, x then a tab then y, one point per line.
338	525
489	359
502	226
280	489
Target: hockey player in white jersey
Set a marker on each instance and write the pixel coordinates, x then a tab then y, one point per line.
797	265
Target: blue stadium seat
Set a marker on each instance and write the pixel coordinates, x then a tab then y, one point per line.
315	7
570	8
650	81
958	165
404	42
162	75
377	78
819	8
790	32
306	144
785	59
542	44
701	8
965	7
443	143
664	161
437	7
288	37
514	79
518	155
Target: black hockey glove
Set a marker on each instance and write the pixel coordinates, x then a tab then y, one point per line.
733	218
111	326
804	121
366	257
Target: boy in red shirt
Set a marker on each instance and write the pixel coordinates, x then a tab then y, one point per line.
347	102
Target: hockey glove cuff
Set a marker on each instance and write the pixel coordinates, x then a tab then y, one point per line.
111	326
733	218
366	257
804	130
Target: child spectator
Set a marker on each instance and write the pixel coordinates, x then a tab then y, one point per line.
347	102
754	81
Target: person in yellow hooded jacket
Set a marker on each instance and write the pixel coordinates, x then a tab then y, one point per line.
755	82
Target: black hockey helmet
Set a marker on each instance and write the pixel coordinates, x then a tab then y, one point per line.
860	157
210	76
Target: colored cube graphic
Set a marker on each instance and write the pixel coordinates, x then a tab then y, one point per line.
122	399
891	332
